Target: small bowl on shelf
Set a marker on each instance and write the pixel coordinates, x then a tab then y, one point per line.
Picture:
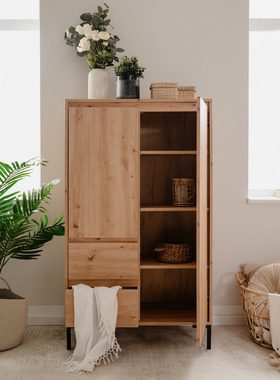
174	253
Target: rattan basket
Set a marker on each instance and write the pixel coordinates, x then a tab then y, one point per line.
187	92
174	253
256	310
164	91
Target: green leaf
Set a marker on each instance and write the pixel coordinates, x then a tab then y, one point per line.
72	29
21	236
85	17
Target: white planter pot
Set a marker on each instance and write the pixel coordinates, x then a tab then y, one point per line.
13	318
98	84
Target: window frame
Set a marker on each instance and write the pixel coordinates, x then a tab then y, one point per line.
28	24
262	195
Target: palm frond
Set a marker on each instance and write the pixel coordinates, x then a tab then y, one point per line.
31	201
32	245
11	174
22	237
24	240
7	202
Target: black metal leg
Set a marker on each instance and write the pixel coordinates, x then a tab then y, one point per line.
209	334
68	338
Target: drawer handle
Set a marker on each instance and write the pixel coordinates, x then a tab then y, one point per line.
91	257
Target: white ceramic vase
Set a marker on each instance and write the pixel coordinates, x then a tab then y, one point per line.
98	84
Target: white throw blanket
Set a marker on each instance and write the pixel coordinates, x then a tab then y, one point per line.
274	311
95	317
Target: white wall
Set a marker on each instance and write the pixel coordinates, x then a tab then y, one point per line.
200	42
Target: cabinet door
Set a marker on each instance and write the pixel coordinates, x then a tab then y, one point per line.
103	173
201	228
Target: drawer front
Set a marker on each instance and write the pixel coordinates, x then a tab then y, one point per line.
128	308
99	261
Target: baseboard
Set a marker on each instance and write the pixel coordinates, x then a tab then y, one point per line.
228	315
44	315
54	315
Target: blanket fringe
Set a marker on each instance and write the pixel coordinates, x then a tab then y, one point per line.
275	359
111	354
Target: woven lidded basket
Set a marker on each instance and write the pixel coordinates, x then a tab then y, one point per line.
173	253
164	90
187	92
183	191
256	310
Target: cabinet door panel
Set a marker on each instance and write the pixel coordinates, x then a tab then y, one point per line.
201	244
103	173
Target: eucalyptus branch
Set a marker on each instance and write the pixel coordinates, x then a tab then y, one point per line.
91	38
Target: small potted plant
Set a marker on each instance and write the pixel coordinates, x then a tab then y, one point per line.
24	229
128	73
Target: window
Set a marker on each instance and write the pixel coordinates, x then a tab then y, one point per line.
264	95
20	83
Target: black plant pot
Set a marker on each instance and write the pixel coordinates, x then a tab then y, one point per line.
127	87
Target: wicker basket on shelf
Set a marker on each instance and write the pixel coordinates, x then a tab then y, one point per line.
174	253
256	310
164	91
187	92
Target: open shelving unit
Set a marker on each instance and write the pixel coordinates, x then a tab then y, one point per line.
129	152
167	150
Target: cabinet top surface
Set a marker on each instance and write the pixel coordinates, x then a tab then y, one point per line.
131	102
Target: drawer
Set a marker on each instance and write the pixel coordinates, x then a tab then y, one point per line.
128	312
100	261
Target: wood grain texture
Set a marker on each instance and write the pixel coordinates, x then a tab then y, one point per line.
143	105
66	197
202	229
128	308
104	181
167	314
167	152
103	172
165	208
103	261
168	131
210	207
150	262
167	227
157	173
124	282
168	286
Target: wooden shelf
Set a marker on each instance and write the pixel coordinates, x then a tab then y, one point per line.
148	208
151	263
167	152
167	314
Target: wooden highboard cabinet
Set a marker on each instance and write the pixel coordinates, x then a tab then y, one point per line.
121	157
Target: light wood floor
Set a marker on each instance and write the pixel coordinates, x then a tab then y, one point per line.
148	353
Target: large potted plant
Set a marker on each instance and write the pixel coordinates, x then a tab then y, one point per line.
128	73
24	229
92	40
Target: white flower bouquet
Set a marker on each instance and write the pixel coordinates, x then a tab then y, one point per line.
92	40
